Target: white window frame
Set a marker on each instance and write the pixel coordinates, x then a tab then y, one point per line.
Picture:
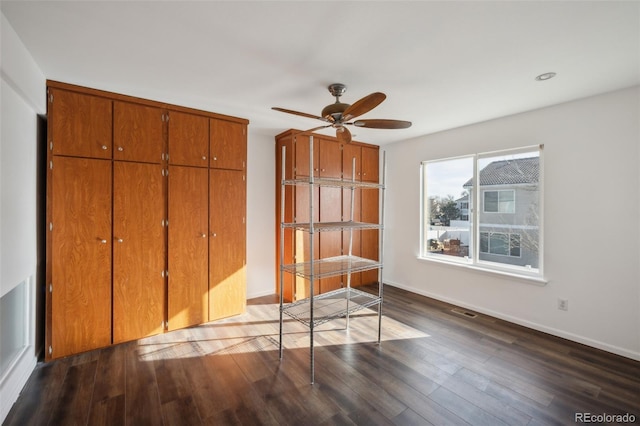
473	262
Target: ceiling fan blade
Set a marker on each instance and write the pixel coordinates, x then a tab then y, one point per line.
382	124
364	105
302	114
343	134
314	129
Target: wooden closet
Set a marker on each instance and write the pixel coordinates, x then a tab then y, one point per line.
332	159
146	207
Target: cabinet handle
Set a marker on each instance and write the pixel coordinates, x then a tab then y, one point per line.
322	170
213	234
120	149
204	157
120	240
215	158
103	241
104	147
204	235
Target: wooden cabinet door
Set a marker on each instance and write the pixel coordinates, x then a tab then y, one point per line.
188	301
228	145
369	238
138	132
301	156
330	158
80	124
330	206
138	250
349	153
227	247
288	207
80	255
370	164
188	139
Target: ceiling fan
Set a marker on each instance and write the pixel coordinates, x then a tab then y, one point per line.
339	114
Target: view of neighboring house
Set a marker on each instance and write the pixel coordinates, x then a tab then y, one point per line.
508	206
462	204
508	222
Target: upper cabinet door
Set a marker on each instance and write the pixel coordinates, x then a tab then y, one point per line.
228	145
330	165
138	132
349	153
188	139
80	124
370	164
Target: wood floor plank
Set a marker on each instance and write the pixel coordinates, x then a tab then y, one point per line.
108	412
142	401
433	366
74	403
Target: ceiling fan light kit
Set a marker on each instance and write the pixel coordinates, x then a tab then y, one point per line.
338	114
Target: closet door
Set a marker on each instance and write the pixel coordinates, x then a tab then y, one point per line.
80	255
138	132
227	248
330	206
188	300
228	145
349	152
138	250
188	139
370	210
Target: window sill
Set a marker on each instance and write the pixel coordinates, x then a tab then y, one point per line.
530	279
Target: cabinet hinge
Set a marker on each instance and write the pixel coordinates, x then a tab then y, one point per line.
50	226
50	287
244	178
165	172
50	145
50	98
243	219
50	349
244	131
51	165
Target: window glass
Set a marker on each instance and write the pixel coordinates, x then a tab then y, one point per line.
506	186
446	212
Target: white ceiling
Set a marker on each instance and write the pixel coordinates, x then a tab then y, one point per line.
442	64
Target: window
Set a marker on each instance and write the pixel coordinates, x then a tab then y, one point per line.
499	201
504	232
500	243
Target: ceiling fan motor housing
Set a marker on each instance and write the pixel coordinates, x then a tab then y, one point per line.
336	109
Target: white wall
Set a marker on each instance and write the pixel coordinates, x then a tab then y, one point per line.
22	98
591	172
260	214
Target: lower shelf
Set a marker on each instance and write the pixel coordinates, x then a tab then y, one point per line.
327	306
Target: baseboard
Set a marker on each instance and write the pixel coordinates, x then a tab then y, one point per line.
260	294
535	326
12	382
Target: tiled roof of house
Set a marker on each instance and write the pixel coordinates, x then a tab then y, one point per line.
510	172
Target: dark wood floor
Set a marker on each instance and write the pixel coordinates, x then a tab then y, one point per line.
434	366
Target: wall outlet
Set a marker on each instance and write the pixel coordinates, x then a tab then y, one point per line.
563	304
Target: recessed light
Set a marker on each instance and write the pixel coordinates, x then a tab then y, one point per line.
546	76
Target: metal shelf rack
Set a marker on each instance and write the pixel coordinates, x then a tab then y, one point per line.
341	303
